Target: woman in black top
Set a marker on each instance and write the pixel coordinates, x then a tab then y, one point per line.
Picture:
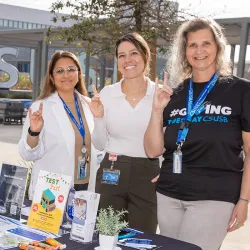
204	187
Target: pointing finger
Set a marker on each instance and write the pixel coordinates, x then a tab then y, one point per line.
165	82
41	107
30	113
94	90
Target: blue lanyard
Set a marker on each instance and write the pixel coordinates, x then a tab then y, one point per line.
196	108
80	126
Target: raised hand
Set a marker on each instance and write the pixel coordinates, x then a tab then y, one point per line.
36	119
162	95
96	105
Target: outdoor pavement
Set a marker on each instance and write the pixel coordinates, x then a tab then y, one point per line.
10	135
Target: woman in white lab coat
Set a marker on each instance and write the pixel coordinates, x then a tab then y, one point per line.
57	131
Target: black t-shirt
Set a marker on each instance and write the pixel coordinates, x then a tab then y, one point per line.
212	160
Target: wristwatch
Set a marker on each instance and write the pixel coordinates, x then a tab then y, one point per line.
33	133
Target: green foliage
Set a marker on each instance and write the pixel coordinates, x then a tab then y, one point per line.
101	22
24	82
109	221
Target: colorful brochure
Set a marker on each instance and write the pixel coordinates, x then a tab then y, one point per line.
13	180
13	232
49	201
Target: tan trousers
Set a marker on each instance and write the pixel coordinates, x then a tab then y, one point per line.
203	223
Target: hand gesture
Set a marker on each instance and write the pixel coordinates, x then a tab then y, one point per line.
96	105
238	217
36	119
162	95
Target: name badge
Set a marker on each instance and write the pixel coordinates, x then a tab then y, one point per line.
83	162
110	176
177	162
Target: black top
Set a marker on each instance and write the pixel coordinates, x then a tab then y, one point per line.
212	153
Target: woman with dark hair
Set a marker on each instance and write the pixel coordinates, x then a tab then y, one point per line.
122	112
57	131
204	186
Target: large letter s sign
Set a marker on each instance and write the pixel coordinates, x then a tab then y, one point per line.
8	68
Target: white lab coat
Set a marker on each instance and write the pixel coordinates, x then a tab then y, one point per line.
55	151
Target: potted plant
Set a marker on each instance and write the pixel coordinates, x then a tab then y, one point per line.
109	223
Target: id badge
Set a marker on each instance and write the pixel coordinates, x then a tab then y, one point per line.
177	162
83	162
110	176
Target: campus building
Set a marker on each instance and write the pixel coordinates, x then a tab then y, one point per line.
23	31
23	28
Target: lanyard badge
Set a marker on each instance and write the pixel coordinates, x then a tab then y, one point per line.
83	160
83	164
192	109
110	175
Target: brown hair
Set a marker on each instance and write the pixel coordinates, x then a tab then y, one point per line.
49	87
139	42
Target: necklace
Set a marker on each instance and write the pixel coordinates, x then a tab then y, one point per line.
138	93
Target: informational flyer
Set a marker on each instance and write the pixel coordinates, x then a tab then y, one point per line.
84	212
10	241
13	232
13	180
49	201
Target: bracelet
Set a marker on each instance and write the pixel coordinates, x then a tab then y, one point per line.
33	133
244	200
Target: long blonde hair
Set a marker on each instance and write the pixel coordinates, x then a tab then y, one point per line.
48	86
178	66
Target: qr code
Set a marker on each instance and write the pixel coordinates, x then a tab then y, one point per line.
13	209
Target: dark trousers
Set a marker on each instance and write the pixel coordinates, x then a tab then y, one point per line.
135	192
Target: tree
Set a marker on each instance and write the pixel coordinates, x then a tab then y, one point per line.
97	24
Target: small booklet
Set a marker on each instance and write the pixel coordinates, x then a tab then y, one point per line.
49	201
84	215
13	181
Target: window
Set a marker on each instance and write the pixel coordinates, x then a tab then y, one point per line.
20	25
23	67
11	23
39	26
25	25
15	24
5	23
29	25
34	25
1	22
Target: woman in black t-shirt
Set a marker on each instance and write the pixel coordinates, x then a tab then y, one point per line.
204	186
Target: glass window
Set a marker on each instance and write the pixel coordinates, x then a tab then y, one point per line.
15	24
11	23
1	22
20	25
34	25
39	26
5	23
43	26
25	25
29	25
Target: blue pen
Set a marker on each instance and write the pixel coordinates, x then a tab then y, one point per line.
126	236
